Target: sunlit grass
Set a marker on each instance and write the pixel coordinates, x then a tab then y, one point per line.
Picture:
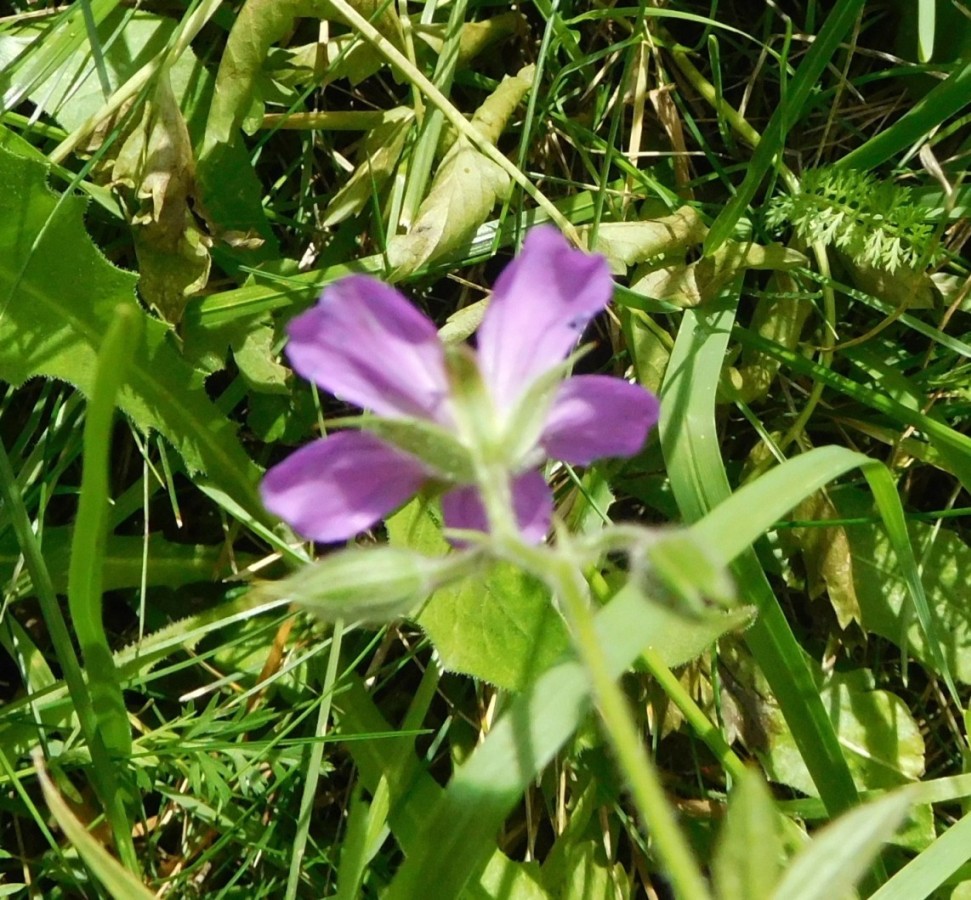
815	405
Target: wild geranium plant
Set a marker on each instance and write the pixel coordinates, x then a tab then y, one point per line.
478	424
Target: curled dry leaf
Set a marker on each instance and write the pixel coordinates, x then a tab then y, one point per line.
156	165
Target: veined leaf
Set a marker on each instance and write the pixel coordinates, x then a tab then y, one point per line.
500	626
57	296
884	603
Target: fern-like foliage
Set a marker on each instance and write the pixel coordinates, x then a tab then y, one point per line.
876	223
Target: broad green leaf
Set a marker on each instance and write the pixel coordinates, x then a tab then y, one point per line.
253	351
499	627
589	877
58	295
840	854
880	740
884	602
752	822
466	187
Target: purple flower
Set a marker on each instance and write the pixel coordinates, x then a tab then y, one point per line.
367	344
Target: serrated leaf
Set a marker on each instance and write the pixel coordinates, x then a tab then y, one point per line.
499	627
57	296
466	187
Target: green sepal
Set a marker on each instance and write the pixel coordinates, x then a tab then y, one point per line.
374	584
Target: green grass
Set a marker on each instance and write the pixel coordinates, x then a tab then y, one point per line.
754	634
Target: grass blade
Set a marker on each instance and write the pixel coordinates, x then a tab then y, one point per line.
786	115
86	571
690	443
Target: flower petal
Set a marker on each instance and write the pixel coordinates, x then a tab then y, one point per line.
540	306
532	500
367	344
594	416
336	487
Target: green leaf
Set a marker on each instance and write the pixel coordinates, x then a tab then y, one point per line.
121	883
466	187
259	25
84	583
157	166
380	154
690	284
590	877
930	869
727	525
884	602
752	821
499	627
413	792
59	295
165	564
948	98
881	742
31	52
841	853
458	828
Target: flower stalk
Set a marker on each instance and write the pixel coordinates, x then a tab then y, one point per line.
556	566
